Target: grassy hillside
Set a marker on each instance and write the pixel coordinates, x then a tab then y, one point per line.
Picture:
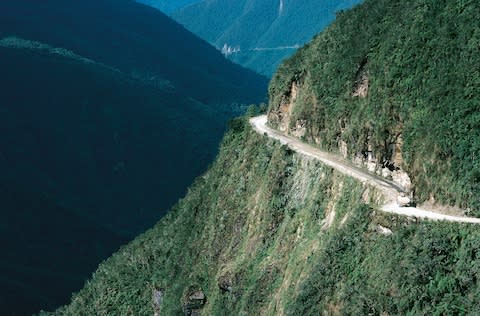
251	24
251	238
417	63
138	40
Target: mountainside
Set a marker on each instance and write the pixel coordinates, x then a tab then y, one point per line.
401	100
268	231
109	109
168	6
114	150
136	39
58	249
265	32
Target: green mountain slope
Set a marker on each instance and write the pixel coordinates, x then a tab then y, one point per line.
110	109
266	32
136	39
105	144
393	85
267	231
251	236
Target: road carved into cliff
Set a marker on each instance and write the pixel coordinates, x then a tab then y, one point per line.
390	189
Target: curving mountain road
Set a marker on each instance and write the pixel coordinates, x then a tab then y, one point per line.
389	188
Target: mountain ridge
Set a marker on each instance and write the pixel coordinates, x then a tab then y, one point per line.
250	24
269	231
104	116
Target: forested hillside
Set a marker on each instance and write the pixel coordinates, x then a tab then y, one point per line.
139	41
265	32
110	149
168	6
267	231
255	236
108	111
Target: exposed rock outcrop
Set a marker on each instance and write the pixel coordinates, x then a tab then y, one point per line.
225	283
194	302
360	88
282	115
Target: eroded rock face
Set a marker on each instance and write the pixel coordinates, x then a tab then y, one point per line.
361	89
300	129
157	299
194	303
404	200
281	116
390	167
343	147
402	178
362	82
225	283
386	161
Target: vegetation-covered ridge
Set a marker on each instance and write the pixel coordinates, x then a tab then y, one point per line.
137	40
83	157
396	84
266	231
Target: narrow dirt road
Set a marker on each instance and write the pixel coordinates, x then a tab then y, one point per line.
389	188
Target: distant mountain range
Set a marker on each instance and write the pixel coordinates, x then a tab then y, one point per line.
108	110
168	6
259	34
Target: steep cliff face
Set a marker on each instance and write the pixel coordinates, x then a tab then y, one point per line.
268	232
393	85
289	115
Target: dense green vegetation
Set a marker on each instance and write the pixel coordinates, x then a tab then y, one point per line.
108	111
268	232
250	24
251	235
421	59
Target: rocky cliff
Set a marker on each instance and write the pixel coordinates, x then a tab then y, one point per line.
389	85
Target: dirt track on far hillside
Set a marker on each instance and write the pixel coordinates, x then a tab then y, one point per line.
389	188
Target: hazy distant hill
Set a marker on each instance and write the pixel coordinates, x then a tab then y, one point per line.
110	109
168	6
265	31
136	39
